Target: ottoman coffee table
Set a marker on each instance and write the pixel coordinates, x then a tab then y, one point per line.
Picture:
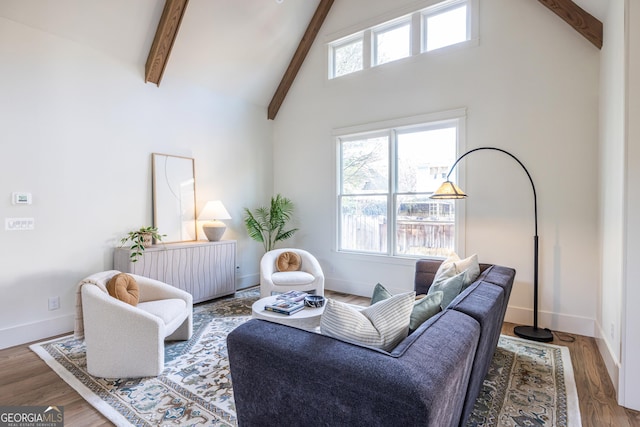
308	318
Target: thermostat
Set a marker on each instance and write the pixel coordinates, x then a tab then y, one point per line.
21	198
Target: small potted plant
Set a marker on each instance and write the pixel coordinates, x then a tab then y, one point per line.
141	239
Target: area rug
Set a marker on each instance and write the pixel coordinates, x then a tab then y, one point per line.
528	384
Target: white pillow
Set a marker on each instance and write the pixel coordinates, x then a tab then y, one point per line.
454	265
382	325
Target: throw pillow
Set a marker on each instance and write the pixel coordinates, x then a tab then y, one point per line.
381	325
454	265
125	288
288	261
423	308
450	288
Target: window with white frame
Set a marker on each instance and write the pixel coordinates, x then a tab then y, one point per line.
385	178
441	24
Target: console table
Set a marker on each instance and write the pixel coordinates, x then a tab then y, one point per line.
204	269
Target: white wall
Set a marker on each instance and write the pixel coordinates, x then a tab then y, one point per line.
530	87
78	129
630	374
612	187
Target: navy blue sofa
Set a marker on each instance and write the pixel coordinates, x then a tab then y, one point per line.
287	376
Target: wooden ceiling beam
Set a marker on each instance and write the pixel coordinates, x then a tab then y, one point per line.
298	57
163	41
585	23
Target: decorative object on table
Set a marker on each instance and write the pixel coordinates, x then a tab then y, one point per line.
141	239
307	278
208	396
448	190
267	224
213	212
314	301
287	307
292	296
174	196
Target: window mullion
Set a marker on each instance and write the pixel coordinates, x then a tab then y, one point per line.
416	33
393	188
367	49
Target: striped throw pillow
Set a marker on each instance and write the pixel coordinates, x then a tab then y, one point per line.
382	325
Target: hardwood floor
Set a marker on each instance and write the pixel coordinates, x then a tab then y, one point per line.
26	380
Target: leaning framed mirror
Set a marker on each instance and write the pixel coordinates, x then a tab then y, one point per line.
174	197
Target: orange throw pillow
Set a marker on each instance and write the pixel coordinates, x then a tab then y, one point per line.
288	261
125	288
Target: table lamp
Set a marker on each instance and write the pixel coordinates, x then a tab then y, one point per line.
213	212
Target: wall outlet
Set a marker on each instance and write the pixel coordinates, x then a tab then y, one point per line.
612	331
54	303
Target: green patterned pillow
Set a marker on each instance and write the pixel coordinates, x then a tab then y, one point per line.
422	310
381	325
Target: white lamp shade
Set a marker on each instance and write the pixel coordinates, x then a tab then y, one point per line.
213	210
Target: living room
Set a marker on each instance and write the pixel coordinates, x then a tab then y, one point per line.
80	125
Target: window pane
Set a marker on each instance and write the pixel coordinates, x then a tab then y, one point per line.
424	159
365	166
392	44
347	58
446	28
363	224
424	226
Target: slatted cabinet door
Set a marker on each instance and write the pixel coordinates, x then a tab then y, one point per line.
204	269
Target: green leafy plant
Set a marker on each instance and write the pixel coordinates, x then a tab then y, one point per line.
140	240
267	224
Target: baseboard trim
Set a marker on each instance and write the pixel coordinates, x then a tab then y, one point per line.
554	321
22	334
247	281
611	363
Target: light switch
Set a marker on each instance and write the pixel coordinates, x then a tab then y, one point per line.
18	224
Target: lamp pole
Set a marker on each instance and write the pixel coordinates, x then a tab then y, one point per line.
528	332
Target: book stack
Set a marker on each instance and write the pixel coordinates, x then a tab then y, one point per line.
287	303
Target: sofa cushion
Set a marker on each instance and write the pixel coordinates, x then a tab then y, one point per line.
382	325
288	261
450	288
423	308
125	288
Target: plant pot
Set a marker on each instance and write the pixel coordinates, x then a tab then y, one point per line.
147	240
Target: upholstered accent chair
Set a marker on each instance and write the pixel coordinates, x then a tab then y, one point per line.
306	276
126	341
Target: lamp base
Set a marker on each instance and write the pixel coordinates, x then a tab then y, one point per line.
533	333
214	230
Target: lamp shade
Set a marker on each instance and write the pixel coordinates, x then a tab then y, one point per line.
213	212
448	190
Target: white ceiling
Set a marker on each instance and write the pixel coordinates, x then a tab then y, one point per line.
234	47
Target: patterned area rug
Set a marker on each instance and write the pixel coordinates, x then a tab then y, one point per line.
528	384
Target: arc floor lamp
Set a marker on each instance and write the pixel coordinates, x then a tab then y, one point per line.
448	190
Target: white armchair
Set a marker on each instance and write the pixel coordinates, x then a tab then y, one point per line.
308	278
123	341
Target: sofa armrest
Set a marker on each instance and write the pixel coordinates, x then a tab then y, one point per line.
290	376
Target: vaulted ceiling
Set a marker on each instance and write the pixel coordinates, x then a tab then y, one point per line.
239	48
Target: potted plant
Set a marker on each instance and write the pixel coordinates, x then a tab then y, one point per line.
141	239
267	224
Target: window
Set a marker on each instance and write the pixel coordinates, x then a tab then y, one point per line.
392	43
347	56
385	179
442	24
